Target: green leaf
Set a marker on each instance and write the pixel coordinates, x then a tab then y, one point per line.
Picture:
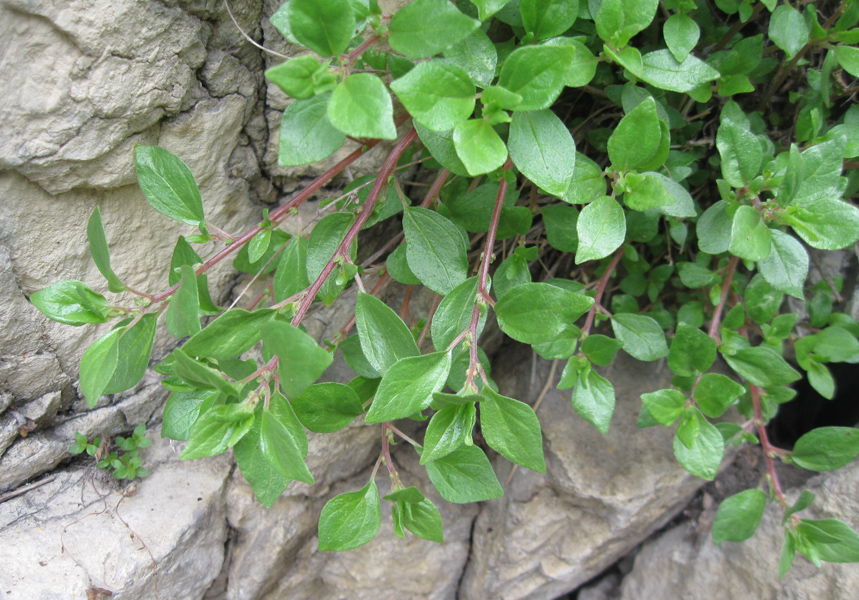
661	69
618	20
168	185
805	500
385	339
297	76
478	146
511	273
442	148
694	276
423	519
453	315
133	353
327	407
788	30
740	151
536	313
645	192
601	349
407	387
714	229
537	74
282	449
438	94
750	237
325	239
762	366
642	337
691	350
71	302
543	149
593	399
821	379
561	227
788	552
324	27
834	541
409	495
738	516
636	138
848	58
588	182
665	406
267	483
786	267
230	335
825	224
355	359
183	312
548	18
198	375
302	360
100	252
97	366
464	476
476	54
448	429
583	67
715	393
512	429
434	250
306	134
681	35
601	228
259	244
487	8
826	448
762	301
427	27
183	409
218	430
350	520
361	106
705	455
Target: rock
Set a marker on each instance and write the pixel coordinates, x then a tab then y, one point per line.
80	531
679	565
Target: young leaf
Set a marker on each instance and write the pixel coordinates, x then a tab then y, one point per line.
826	448
537	74
71	302
100	252
201	376
384	337
407	387
543	149
361	106
642	337
183	313
327	407
788	29
439	94
427	27
302	360
306	134
282	450
740	151
218	430
478	146
665	406
267	483
434	250
681	35
762	366
601	228
705	455
833	540
618	20
636	138
512	429
448	429
739	516
645	192
98	364
691	350
133	353
230	335
183	409
350	520
548	18
786	267
454	314
593	398
169	185
750	237
296	77
660	69
324	27
536	313
715	393
464	476
423	519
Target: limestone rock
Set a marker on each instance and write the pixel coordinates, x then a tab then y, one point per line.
680	565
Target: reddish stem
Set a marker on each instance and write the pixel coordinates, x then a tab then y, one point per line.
601	286
726	287
768	449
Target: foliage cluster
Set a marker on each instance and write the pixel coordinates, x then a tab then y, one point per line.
634	175
124	461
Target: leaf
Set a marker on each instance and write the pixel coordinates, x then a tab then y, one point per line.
327	407
762	301
442	148
543	149
646	192
325	239
198	375
662	70
183	409
583	67
636	138
694	276
705	455
297	76
282	450
434	250
691	350
350	520
133	353
537	74
600	349
71	302
512	429
218	430
306	134
786	267
714	229
535	313
353	354
833	540
715	393
601	228
453	315
324	27
681	35
97	366
665	406
738	516
267	483
302	360
464	476
476	54
427	27
750	237
561	227
361	106
183	312
230	335
423	519
825	224
448	429
487	8
762	366
168	185
593	398
642	337
100	252
384	337
740	151
618	20
407	387
848	58
478	146
548	18
805	500
788	29
826	448
438	94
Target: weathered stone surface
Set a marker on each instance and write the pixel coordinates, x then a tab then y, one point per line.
601	495
679	564
80	531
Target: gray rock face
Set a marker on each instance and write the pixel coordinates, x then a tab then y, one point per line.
678	564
